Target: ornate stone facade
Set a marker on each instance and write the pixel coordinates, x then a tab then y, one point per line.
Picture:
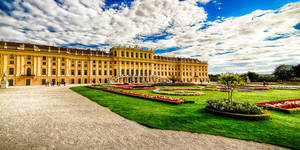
30	64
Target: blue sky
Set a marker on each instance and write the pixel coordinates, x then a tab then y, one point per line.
232	35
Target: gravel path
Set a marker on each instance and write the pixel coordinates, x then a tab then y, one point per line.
39	117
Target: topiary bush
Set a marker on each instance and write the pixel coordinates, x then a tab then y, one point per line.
225	105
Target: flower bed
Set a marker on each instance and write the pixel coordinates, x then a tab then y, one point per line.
235	109
135	87
173	84
171	100
179	93
288	106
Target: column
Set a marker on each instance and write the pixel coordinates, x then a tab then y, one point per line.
38	66
18	68
22	65
49	66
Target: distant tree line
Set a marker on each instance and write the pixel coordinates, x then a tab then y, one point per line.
281	73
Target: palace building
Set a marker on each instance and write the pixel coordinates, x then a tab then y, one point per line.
31	64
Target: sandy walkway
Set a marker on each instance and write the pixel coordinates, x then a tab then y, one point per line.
57	118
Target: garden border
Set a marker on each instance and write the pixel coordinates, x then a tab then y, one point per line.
264	116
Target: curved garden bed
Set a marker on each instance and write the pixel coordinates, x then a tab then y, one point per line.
264	116
178	93
287	106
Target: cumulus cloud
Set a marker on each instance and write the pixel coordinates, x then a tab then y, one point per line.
257	41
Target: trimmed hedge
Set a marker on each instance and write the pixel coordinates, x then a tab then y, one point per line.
264	116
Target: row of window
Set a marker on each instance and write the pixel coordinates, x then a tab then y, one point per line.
133	55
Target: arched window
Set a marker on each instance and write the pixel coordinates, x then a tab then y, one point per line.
28	72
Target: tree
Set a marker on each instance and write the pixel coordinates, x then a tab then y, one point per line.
283	72
230	80
296	70
173	78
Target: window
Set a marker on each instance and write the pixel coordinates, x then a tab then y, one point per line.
54	58
79	61
63	64
85	65
94	61
11	62
122	72
104	62
122	62
149	56
72	65
127	72
79	72
94	72
53	63
79	65
127	62
100	73
28	57
11	56
28	62
73	60
85	72
136	72
63	59
62	71
115	72
11	71
141	55
44	71
110	72
115	62
115	53
85	61
145	56
53	71
127	54
44	57
131	54
44	63
122	54
136	55
72	81
105	72
72	72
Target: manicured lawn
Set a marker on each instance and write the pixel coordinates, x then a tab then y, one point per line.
282	130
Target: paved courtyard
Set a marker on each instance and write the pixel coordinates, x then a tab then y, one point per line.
40	117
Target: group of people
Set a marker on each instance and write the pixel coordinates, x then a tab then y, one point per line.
57	83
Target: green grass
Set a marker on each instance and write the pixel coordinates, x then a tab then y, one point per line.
283	129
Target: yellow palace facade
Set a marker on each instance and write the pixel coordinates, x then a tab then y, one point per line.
30	64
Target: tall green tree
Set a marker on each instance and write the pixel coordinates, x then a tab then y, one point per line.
231	81
296	70
283	72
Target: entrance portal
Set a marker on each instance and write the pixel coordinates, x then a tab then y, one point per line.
27	81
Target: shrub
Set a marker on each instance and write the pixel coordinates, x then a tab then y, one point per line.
225	105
